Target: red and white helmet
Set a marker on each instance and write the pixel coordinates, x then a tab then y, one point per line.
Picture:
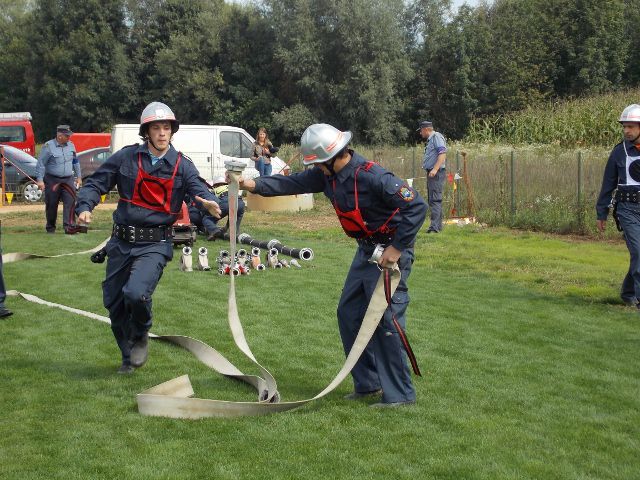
155	112
321	142
630	114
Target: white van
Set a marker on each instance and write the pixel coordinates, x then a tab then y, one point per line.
209	146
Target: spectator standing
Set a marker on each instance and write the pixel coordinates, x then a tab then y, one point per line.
262	151
433	162
57	165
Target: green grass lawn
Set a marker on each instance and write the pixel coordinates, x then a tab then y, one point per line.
530	364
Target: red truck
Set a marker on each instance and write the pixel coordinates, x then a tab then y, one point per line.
16	130
87	141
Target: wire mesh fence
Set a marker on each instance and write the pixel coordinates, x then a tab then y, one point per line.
543	188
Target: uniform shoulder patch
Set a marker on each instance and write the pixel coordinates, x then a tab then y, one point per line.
406	193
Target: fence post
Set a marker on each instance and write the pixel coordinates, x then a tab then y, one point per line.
456	197
513	182
413	163
580	210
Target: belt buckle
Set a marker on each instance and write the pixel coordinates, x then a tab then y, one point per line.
131	233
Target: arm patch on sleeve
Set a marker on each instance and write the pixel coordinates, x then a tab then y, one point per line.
406	193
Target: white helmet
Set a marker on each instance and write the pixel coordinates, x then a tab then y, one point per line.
630	114
321	142
154	112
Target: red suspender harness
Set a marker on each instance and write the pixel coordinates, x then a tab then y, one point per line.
152	192
352	222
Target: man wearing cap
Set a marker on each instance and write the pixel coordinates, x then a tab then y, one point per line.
622	176
152	179
58	165
377	209
435	155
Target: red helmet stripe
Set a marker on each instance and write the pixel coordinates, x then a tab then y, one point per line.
153	118
333	145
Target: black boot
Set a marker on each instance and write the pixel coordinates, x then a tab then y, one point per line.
139	350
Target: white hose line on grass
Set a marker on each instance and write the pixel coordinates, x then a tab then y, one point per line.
16	257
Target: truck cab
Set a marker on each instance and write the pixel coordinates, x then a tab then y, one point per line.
16	131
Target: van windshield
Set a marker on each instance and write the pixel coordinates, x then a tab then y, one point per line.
235	144
12	134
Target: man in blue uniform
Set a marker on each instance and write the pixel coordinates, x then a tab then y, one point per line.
200	217
375	207
622	174
435	155
57	166
152	181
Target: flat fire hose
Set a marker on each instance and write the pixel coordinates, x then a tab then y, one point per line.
174	398
16	257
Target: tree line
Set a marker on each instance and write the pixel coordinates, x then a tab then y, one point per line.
372	66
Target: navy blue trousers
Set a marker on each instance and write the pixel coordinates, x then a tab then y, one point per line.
52	199
133	272
435	189
629	218
384	363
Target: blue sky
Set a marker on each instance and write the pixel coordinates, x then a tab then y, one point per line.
457	3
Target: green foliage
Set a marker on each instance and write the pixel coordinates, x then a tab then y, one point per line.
292	121
521	337
78	73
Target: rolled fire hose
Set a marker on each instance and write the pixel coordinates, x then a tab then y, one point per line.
174	398
186	261
203	260
272	258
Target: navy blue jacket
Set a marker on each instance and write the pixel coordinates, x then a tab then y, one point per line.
615	173
380	192
121	170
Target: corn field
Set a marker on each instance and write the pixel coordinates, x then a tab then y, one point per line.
591	121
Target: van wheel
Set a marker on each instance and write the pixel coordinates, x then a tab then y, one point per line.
31	193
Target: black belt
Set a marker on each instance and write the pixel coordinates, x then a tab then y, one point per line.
133	234
632	196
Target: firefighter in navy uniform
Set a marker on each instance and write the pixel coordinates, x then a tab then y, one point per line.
199	216
152	180
374	207
622	175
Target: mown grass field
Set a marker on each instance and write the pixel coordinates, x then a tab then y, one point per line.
530	364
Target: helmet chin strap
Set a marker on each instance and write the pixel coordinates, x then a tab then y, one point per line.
329	165
154	145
